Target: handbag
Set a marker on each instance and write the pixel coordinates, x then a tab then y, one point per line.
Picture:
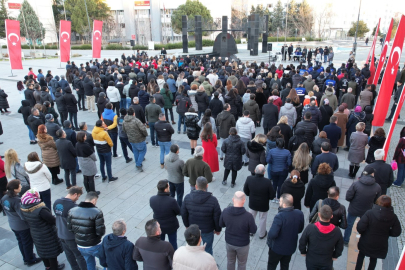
394	165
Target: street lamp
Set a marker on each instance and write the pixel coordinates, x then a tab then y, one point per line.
355	34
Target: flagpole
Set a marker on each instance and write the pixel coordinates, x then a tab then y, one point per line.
355	34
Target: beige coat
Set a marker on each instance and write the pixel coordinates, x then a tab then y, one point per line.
342	121
193	258
50	155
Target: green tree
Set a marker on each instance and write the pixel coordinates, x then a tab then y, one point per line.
261	10
394	28
76	11
31	26
3	16
363	29
277	17
305	18
379	32
292	18
191	9
58	12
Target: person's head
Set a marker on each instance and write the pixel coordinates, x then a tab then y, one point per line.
384	201
83	126
260	138
119	227
136	100
227	107
193	235
201	183
379	132
32	157
60	133
123	111
323	135
325	213
99	123
358	109
13	187
199	151
333	119
246	114
283	120
91	197
333	193
81	136
74	193
239	199
324	168
325	147
280	143
152	228
163	186
260	169
369	170
295	176
35	111
110	83
174	148
286	200
379	154
307	116
233	131
360	126
109	106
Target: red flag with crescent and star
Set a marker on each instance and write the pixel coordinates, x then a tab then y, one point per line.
383	53
64	40
14	43
387	83
97	30
374	41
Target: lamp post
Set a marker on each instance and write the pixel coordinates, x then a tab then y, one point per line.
355	34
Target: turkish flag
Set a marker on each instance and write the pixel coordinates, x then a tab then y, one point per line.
387	83
64	40
96	43
14	43
374	41
372	68
383	53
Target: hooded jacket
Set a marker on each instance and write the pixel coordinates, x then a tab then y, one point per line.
260	191
113	94
256	154
165	211
193	257
233	148
174	166
289	110
12	209
34	121
318	189
143	98
216	106
201	208
196	167
135	129
225	120
49	152
362	194
239	224
70	101
25	110
383	175
296	190
110	119
339	212
245	127
202	100
296	140
333	102
102	140
116	253
254	110
40	176
311	130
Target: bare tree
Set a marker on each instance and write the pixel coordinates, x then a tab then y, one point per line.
109	27
323	18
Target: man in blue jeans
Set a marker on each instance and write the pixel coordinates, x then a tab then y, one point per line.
183	103
152	112
123	137
202	208
86	221
137	133
174	166
103	144
164	131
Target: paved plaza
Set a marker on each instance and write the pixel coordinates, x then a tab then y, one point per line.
128	197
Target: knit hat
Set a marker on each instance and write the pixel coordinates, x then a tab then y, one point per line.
48	117
326	101
368	170
358	109
31	196
102	94
199	151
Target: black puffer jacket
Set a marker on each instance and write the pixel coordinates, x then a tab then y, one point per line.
234	149
375	142
165	211
45	96
43	232
311	130
236	105
3	100
296	140
339	212
296	190
318	189
362	195
25	110
87	223
193	129
202	100
60	102
201	208
256	154
70	101
316	146
216	107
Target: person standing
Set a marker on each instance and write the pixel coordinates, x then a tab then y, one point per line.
295	187
137	133
283	234
151	250
86	221
116	250
270	116
325	157
255	151
321	243
34	121
103	145
209	143
202	208
334	133
165	211
87	160
225	121
341	122
383	173
239	225
123	136
245	128
397	96
260	192
61	208
183	103
375	227
114	96
234	149
196	167
174	167
67	156
111	121
362	195
358	142
152	112
11	204
164	132
193	129
42	228
71	105
400	159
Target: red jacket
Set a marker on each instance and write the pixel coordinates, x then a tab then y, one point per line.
399	156
32	73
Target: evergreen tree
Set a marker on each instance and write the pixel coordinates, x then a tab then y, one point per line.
190	8
362	29
3	16
32	27
277	17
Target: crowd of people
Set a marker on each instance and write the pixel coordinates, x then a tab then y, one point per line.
308	113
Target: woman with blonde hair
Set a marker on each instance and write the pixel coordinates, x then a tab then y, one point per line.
317	94
302	161
15	170
255	151
285	129
294	186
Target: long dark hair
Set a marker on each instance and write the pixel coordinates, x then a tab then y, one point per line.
11	186
207	134
207	117
274	134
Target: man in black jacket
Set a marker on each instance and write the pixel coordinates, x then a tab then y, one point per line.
139	112
225	120
34	121
270	116
326	157
165	211
25	110
151	250
239	224
285	92
321	243
61	105
164	132
86	221
202	208
311	130
51	126
61	209
383	174
29	95
183	103
78	85
260	192
88	86
397	96
67	157
216	106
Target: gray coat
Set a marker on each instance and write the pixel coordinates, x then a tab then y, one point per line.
88	165
358	142
289	111
174	166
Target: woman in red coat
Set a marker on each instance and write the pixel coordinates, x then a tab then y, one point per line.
209	143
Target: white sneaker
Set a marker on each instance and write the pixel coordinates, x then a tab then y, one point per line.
118	156
213	179
97	175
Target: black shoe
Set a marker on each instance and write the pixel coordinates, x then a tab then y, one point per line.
246	164
178	132
112	179
37	260
104	178
129	160
98	192
79	171
80	109
346	148
251	234
139	168
221	158
57	182
232	185
77	129
61	266
263	236
85	109
388	120
32	142
224	183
